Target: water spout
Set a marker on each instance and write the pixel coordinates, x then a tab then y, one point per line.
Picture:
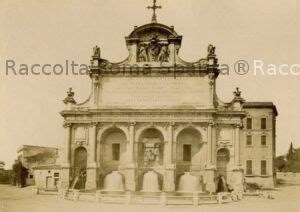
150	182
113	182
190	183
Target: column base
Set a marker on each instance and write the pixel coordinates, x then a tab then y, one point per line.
238	180
210	175
130	178
91	178
65	177
169	176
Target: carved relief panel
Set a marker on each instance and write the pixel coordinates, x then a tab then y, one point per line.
224	136
80	135
153	51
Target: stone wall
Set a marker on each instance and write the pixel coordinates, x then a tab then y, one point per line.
288	178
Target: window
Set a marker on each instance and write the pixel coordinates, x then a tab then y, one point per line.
116	152
263	167
249	167
263	140
187	152
249	140
263	123
249	123
56	174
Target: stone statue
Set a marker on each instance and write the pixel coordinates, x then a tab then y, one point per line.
151	155
142	54
237	93
154	50
211	50
70	97
164	54
96	52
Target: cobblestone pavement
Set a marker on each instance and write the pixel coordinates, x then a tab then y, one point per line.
12	199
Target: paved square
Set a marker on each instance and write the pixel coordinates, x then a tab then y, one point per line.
14	199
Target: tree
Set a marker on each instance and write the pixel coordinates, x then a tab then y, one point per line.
19	174
290	158
291	153
280	163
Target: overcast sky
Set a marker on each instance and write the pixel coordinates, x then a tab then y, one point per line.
34	31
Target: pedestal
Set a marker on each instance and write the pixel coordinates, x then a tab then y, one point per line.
130	178
238	180
163	199
91	177
169	184
65	178
210	174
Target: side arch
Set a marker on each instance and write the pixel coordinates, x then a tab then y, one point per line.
79	168
202	132
103	131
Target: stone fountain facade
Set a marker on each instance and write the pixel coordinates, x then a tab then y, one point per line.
156	112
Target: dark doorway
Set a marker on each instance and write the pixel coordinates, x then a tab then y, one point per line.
80	164
222	161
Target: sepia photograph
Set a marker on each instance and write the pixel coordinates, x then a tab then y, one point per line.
149	105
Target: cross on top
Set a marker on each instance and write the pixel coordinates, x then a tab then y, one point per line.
154	7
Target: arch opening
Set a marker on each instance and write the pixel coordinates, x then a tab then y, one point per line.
112	149
79	168
188	152
223	157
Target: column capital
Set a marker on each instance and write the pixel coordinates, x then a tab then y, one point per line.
238	125
128	141
93	124
171	124
67	124
132	123
212	124
167	141
210	167
92	165
95	78
113	124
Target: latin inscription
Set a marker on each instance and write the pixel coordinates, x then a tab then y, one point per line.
155	92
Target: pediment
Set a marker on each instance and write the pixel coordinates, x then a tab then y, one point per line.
147	31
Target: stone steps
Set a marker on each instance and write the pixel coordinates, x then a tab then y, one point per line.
162	199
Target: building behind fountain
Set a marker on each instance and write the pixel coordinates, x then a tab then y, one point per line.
156	116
